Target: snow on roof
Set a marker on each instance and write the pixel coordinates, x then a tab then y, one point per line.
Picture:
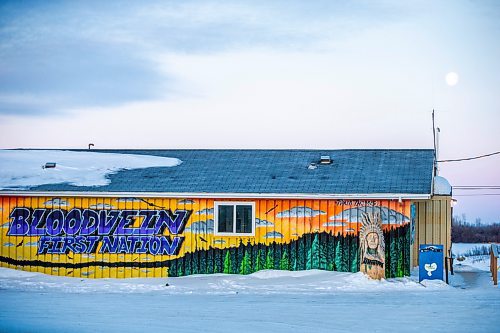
21	169
441	186
254	171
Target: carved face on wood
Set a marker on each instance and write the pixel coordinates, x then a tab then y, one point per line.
372	240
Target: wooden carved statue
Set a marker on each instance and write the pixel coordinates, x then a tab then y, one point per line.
372	246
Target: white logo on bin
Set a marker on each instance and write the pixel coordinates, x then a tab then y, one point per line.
430	268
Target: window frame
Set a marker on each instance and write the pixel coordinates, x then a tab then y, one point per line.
234	204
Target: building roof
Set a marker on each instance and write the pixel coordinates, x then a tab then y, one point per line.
352	172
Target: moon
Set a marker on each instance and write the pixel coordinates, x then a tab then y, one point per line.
451	79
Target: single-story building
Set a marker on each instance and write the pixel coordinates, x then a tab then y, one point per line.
227	211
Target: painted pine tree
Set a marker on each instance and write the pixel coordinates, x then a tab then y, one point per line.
218	262
340	256
400	241
346	262
240	253
316	256
262	257
301	254
246	265
330	253
323	241
270	258
195	262
307	250
354	255
277	255
255	255
293	256
394	254
172	268
258	263
235	267
407	246
285	260
180	266
227	263
210	262
187	261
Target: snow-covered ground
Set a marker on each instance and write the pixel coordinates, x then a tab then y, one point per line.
467	249
471	256
23	168
266	301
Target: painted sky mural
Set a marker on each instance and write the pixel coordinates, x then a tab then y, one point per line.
158	237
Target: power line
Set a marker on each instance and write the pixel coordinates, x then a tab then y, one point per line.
476	195
471	158
476	186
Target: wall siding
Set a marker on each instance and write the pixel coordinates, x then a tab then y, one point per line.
433	224
289	235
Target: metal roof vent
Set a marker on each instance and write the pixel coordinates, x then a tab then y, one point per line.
312	166
325	159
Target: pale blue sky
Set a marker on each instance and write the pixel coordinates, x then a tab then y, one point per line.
256	74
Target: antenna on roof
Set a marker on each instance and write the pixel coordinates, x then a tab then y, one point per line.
91	145
436	143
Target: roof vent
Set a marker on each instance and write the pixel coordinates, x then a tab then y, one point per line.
49	165
325	159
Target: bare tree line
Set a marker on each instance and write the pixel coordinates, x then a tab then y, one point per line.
463	231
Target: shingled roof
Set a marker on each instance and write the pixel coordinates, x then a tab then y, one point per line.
352	172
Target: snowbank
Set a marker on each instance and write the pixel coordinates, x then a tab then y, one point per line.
471	257
259	283
23	168
467	249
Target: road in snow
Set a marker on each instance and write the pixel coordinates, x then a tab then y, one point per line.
266	301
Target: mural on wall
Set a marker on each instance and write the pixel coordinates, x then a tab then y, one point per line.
83	230
159	237
372	246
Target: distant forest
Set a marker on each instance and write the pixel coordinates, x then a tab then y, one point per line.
463	231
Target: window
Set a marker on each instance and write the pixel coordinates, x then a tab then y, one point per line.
234	218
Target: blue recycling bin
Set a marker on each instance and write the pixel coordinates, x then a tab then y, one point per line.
430	262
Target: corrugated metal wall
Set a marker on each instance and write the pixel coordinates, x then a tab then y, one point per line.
433	219
289	234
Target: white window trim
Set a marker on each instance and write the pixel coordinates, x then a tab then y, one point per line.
234	204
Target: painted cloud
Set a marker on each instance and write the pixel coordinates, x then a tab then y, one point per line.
128	200
262	223
300	212
56	202
389	216
31	244
206	211
101	206
186	202
9	244
273	234
334	224
201	227
6	225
